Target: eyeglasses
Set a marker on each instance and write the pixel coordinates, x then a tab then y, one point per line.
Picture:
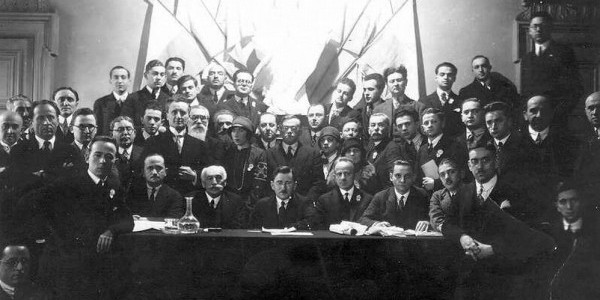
483	160
83	127
243	81
198	117
14	262
123	129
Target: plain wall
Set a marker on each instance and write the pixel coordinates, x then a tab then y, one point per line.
97	35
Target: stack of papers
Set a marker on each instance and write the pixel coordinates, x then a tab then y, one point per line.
348	228
141	225
285	231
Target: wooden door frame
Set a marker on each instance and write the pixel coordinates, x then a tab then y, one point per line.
43	29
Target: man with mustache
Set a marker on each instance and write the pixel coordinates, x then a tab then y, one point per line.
587	167
445	99
489	87
214	91
473	117
216	207
67	100
22	105
267	128
129	156
305	160
109	107
198	127
155	79
152	197
451	175
174	68
222	122
15	264
83	129
316	122
10	131
396	79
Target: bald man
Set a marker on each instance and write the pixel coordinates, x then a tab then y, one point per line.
214	91
10	130
588	163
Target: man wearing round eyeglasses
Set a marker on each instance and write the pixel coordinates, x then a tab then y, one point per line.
14	274
83	129
242	103
129	155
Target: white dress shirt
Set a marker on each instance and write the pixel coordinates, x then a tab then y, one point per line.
534	134
488	187
41	142
350	193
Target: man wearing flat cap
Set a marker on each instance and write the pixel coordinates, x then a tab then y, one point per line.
245	163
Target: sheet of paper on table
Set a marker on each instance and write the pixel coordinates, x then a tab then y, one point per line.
292	233
285	231
348	228
141	225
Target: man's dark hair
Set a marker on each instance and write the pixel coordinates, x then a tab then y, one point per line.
498	106
407	112
349	82
117	68
489	146
84	111
379	80
153	105
103	138
222	112
19	97
66	88
289	117
470	100
451	162
45	102
177	98
435	111
119	119
446	64
401	162
400	69
185	78
235	75
170	59
542	14
479	56
153	63
283	170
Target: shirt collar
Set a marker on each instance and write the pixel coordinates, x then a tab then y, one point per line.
534	133
129	150
267	144
95	178
6	146
350	192
440	91
399	196
41	142
210	198
435	141
78	144
487	187
147	135
279	201
503	141
121	97
543	45
575	226
61	119
149	189
244	100
294	147
10	290
176	133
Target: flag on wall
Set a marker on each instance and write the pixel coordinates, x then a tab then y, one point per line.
297	50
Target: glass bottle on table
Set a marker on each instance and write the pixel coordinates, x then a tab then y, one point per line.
188	223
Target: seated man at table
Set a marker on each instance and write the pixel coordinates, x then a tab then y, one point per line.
402	205
286	208
152	197
451	175
216	207
345	202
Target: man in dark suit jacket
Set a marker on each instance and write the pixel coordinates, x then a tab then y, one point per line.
382	151
42	158
438	146
305	161
129	161
92	215
151	197
489	87
402	205
316	121
155	79
14	274
84	130
550	69
451	175
473	118
343	203
185	156
198	125
396	79
284	209
216	207
152	123
67	100
445	99
339	109
267	127
10	132
109	107
241	102
214	92
373	85
587	166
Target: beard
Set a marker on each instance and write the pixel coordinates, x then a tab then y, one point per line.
198	131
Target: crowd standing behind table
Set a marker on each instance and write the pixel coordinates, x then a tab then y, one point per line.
512	190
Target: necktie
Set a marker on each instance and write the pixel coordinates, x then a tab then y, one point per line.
314	138
65	126
155	92
179	142
6	148
401	203
470	137
290	152
480	195
174	89
215	98
346	197
125	155
444	98
538	139
152	195
46	146
212	204
430	147
282	216
84	150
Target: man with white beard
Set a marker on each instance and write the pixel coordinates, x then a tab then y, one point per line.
198	128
